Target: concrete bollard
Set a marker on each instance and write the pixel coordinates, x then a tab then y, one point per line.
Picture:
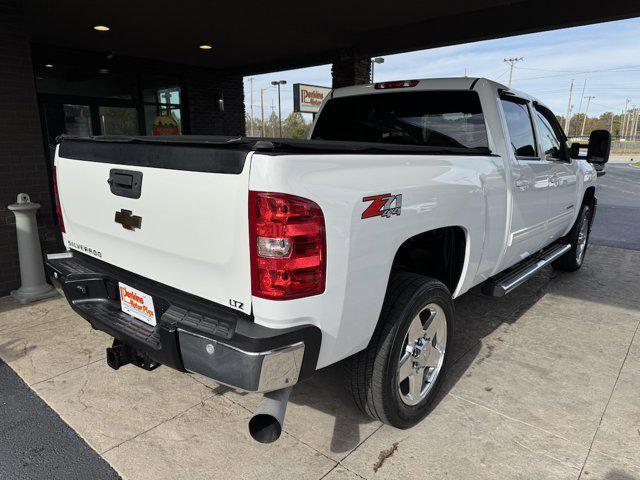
33	283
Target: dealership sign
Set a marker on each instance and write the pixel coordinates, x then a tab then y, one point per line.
308	98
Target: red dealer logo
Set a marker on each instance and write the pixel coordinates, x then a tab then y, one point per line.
311	97
134	301
383	205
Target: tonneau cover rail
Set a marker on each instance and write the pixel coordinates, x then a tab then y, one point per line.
275	146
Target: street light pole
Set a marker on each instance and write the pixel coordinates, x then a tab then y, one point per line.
251	108
262	112
373	62
278	83
567	120
623	121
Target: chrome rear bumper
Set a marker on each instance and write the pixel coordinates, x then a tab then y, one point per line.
252	371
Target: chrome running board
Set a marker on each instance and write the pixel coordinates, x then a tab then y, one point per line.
507	281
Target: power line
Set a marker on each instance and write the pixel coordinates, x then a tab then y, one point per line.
501	75
546	89
628	69
492	74
547	70
607	106
615	89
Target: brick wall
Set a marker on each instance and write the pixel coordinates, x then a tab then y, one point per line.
206	119
22	163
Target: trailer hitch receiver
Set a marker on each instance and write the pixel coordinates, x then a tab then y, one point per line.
121	354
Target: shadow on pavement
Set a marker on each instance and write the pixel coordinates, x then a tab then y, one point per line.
13	350
606	278
476	317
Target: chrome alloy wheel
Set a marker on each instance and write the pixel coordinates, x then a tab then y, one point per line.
422	354
582	240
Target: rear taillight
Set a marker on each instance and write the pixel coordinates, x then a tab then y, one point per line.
396	84
56	197
288	247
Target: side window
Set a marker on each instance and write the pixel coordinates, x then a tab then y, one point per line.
520	128
549	139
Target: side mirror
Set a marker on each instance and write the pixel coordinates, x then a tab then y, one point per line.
599	147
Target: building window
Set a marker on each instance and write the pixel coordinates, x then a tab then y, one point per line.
77	120
118	120
162	102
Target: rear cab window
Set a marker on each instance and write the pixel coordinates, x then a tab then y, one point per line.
520	128
552	139
428	118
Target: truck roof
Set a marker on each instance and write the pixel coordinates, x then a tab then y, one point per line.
450	83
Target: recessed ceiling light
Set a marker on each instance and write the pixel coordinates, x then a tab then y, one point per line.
49	65
103	71
101	28
205	46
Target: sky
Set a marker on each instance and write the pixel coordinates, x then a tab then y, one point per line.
606	55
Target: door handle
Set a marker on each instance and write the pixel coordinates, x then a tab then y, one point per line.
522	184
125	183
121	180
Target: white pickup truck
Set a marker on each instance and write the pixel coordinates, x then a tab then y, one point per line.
258	261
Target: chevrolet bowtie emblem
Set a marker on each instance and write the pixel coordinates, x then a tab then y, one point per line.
128	221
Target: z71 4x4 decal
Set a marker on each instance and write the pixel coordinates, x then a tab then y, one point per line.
383	205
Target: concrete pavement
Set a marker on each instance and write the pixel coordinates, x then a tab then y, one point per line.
544	386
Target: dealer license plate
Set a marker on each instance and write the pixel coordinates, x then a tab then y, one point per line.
137	304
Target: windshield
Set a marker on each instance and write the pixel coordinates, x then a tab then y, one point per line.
432	118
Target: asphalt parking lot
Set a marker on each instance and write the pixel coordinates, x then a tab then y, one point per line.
618	222
544	386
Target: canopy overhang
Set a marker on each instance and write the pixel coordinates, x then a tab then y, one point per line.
253	37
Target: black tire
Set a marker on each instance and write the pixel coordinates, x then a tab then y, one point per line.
571	260
372	375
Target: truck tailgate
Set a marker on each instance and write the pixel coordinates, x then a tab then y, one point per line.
192	231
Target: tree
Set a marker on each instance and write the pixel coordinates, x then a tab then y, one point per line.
252	122
294	126
271	126
603	122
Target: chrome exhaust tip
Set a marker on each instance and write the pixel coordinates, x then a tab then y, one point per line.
266	425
